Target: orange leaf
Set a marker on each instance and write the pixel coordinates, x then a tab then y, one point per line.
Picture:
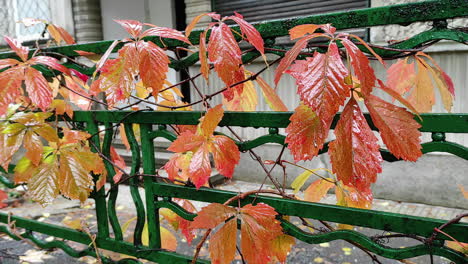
33	146
271	98
422	96
398	97
306	133
462	189
355	154
301	30
223	243
226	155
318	189
168	240
398	129
225	54
320	82
210	121
212	215
259	227
204	67
281	246
194	22
10	81
401	76
153	66
349	196
58	34
9	145
361	66
5	63
51	62
179	223
246	101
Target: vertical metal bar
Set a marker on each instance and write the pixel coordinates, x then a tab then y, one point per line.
149	167
98	196
139	206
114	188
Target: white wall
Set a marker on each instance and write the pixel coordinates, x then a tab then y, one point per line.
157	12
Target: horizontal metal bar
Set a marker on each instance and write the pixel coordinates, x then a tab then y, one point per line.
159	255
396	14
399	223
449	123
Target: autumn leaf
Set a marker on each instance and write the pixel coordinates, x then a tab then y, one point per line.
318	189
119	162
398	129
247	100
401	76
306	133
463	191
361	66
64	168
281	246
59	34
153	65
301	179
192	157
349	196
259	228
320	82
179	223
194	22
3	197
301	30
225	54
204	66
291	55
250	32
355	154
270	96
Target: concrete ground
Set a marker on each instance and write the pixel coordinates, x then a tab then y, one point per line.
340	252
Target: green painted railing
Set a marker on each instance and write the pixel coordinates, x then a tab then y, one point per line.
159	194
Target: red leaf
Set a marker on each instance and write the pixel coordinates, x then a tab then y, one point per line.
226	155
355	154
5	63
212	215
133	27
225	54
153	66
51	62
38	88
251	33
320	82
259	227
4	196
118	161
400	76
291	55
361	66
16	46
165	32
398	97
398	129
306	133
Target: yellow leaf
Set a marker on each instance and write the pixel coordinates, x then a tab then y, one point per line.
303	177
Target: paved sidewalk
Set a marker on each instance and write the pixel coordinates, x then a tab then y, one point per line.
335	252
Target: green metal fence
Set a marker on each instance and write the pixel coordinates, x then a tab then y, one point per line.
159	194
